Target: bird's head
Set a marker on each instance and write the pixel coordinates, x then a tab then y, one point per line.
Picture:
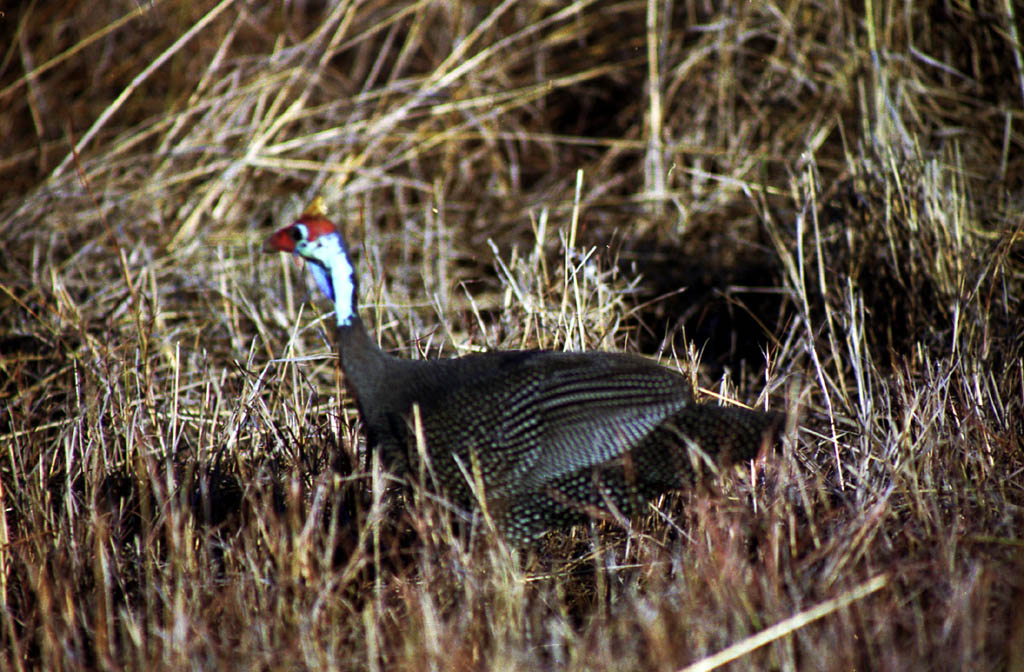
314	238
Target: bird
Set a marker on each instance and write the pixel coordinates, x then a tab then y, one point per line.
534	439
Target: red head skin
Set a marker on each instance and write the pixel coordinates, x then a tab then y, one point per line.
286	239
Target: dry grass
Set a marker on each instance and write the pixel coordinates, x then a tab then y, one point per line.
839	194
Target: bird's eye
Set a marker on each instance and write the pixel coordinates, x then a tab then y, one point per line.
296	234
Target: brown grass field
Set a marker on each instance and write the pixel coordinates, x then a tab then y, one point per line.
811	207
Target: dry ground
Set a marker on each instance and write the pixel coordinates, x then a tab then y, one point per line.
815	207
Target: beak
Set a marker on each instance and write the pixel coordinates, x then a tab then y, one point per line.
281	241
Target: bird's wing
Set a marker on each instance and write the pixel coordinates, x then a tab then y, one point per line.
581	414
526	418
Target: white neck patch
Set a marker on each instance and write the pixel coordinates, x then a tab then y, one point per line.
333	272
344	291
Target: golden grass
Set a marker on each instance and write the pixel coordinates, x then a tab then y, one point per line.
803	206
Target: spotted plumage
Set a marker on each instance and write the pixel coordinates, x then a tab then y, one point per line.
553	437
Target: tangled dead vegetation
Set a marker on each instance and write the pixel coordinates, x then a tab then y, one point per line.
803	206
